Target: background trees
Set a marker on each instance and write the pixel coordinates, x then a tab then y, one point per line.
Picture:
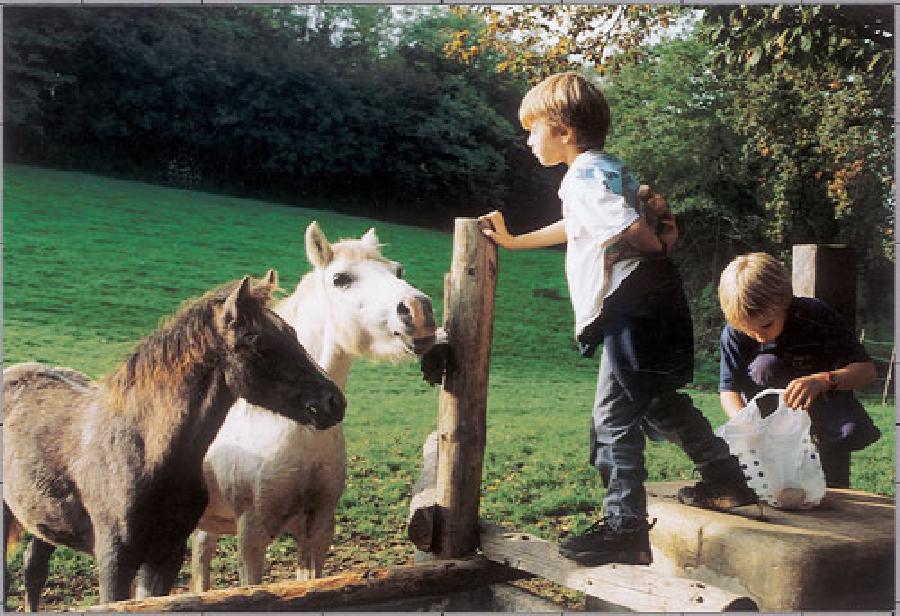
765	126
314	103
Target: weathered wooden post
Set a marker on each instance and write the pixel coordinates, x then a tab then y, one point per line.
828	273
469	323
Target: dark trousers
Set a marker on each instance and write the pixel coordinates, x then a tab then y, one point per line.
647	338
839	424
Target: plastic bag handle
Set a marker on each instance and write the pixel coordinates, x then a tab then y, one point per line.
752	406
768	392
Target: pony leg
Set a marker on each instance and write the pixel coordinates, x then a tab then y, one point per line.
306	569
157	578
203	548
313	533
252	543
116	568
10	536
35	568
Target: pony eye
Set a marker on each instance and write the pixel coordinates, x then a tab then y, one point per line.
342	279
399	271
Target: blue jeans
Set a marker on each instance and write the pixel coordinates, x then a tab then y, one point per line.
618	437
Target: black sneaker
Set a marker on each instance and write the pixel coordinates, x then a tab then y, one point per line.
720	496
600	544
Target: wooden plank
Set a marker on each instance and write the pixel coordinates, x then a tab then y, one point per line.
637	588
469	322
347	590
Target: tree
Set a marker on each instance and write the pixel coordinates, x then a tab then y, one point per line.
539	40
814	104
815	91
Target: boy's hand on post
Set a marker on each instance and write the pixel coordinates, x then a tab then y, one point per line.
801	393
495	229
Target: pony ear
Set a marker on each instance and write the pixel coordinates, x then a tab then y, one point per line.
271	279
370	238
231	309
318	249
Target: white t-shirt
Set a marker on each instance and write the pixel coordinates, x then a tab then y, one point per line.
595	217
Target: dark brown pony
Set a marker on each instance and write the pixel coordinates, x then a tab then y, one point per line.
115	468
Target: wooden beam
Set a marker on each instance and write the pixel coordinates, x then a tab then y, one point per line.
828	273
469	323
634	587
423	504
354	589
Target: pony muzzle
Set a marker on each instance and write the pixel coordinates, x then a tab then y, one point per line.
417	316
328	411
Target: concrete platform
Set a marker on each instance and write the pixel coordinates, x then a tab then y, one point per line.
839	556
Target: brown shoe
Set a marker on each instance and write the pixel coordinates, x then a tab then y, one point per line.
717	495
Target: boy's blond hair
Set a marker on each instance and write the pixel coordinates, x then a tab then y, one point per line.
569	100
752	285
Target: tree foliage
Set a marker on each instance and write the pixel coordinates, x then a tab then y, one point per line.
814	105
264	99
767	126
539	40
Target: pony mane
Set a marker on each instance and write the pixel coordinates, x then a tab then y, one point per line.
357	250
184	340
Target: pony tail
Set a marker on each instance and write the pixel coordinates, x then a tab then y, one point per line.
13	531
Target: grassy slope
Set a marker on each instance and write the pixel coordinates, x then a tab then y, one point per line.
92	265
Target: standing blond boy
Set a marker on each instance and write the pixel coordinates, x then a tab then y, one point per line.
635	307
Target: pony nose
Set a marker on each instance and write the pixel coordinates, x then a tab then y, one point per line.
417	317
416	313
336	404
332	405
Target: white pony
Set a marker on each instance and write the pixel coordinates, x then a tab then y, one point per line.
267	475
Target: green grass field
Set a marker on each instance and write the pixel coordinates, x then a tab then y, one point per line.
92	264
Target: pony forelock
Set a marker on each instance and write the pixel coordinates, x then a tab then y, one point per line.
357	250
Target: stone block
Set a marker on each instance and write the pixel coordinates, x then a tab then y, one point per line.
838	556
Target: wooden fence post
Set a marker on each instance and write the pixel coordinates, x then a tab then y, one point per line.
469	322
828	273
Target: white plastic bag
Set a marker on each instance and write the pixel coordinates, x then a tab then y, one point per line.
776	453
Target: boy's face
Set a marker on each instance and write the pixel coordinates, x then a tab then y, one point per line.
765	327
549	143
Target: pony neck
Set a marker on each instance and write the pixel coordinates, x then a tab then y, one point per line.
189	425
316	331
333	360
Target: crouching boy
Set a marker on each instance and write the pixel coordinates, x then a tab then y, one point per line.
801	345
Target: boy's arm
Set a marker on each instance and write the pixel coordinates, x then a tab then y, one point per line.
732	402
552	234
642	238
800	393
733	359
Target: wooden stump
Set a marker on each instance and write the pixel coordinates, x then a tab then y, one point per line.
469	323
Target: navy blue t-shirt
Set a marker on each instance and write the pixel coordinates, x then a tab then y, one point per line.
815	339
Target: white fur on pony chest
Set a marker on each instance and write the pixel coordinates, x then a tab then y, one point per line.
266	459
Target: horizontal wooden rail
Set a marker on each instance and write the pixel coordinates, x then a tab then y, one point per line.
354	589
